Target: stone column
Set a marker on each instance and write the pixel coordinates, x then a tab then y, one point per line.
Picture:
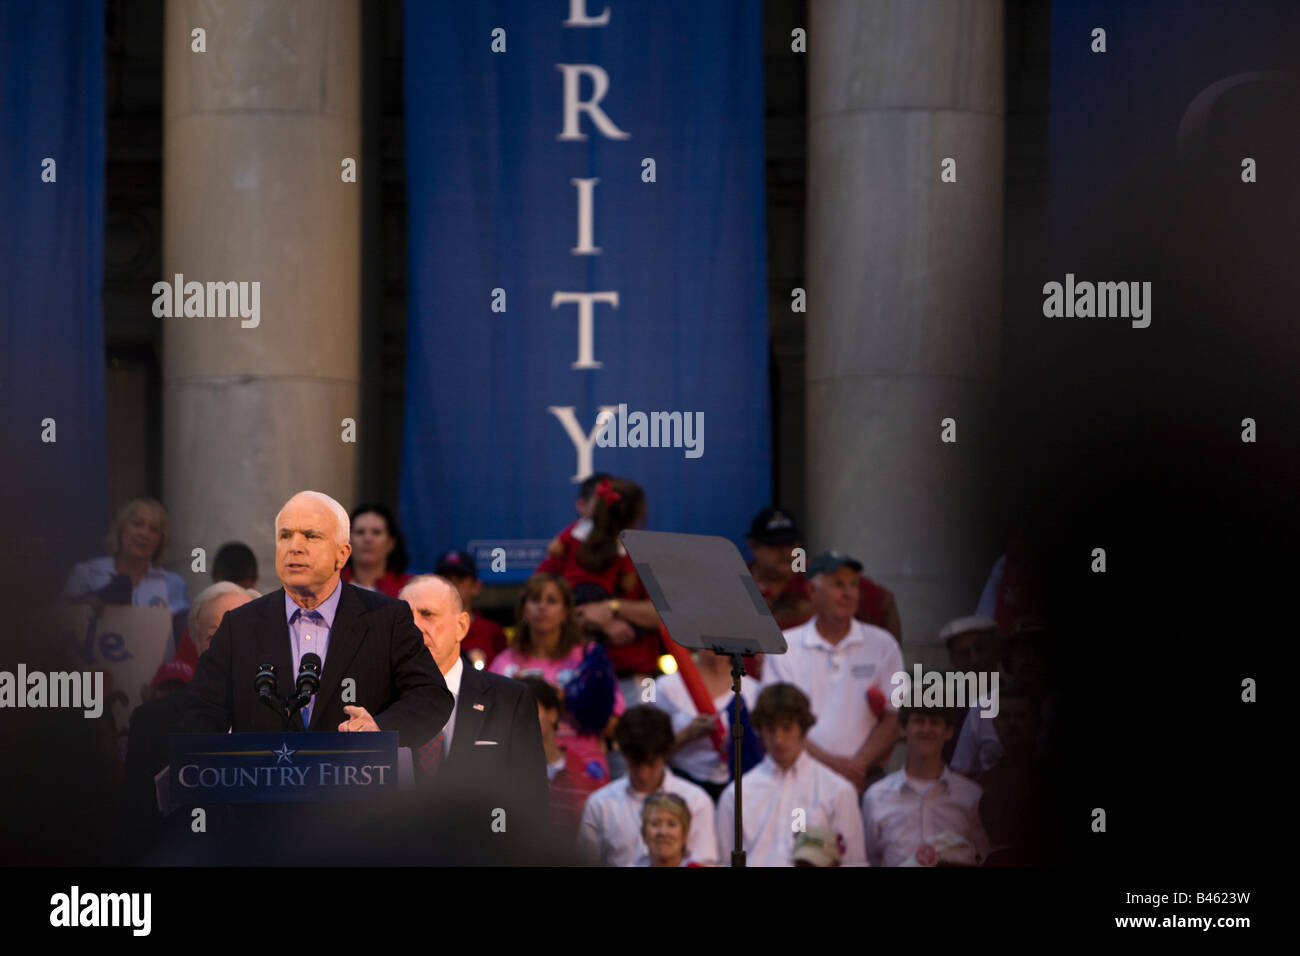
254	133
904	295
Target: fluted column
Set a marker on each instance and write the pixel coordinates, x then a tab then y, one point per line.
255	130
904	294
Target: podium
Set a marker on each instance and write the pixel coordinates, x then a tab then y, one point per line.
288	798
282	768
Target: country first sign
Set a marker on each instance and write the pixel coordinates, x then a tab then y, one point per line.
281	768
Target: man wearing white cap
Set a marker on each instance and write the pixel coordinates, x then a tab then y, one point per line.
974	644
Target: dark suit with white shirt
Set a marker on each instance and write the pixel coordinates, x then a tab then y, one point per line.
495	763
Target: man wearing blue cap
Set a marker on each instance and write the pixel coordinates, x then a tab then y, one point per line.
845	668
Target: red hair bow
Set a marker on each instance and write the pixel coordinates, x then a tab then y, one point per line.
607	493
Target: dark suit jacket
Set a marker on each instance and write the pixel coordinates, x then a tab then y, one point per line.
497	740
374	641
496	762
141	825
146	749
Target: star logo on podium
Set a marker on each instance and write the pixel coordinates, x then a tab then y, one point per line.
283	754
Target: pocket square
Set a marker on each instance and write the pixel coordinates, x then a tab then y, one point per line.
485	743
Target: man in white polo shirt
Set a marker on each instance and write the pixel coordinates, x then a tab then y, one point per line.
789	793
610	832
844	667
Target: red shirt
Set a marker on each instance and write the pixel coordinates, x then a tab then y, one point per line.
872	601
569	790
186	651
790	607
484	635
641	655
614	579
391	583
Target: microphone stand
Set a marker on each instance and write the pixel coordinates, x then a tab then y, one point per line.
294	706
288	706
271	699
737	738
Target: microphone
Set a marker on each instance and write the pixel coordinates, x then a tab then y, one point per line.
265	684
308	676
308	681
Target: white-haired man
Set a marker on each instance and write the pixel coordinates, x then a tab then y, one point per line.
359	635
845	668
488	757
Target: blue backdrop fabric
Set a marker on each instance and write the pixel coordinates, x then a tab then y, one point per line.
486	455
51	269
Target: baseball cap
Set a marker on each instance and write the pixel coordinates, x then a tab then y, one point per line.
819	846
774	526
831	561
455	562
173	670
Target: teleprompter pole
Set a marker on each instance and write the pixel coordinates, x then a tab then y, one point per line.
737	737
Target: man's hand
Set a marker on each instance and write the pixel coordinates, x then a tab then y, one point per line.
620	633
596	614
93	601
700	726
358	719
853	769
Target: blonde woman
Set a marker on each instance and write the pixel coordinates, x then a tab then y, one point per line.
665	827
130	570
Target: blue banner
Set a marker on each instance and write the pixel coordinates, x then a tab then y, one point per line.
586	196
52	429
280	768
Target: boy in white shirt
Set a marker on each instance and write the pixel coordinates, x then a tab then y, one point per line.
904	814
610	832
789	792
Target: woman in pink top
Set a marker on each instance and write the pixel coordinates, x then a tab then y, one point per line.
548	643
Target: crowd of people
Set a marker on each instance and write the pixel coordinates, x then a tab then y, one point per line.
652	784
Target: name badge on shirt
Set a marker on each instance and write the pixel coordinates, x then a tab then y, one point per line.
863	671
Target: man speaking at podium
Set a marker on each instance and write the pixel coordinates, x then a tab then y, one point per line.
359	635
